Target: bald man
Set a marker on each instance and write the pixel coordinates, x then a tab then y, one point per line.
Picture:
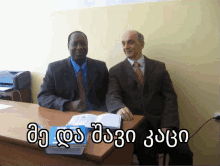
142	86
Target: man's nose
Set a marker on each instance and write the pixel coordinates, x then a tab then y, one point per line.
126	46
79	46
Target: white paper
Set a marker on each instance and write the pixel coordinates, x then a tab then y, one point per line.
83	119
3	106
5	88
109	120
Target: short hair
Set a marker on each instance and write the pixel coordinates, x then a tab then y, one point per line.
140	36
74	33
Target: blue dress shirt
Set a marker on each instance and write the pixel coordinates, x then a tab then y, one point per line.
76	69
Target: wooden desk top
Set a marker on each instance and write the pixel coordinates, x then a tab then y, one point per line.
14	121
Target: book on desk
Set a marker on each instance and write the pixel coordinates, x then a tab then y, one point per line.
74	148
108	120
83	121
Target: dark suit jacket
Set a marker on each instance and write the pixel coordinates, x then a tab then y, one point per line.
155	99
60	84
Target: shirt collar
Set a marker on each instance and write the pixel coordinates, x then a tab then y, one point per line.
77	67
140	61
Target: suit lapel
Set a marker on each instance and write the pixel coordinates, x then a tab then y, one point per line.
71	75
149	65
129	70
91	75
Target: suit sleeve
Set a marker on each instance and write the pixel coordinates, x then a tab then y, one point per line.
114	96
46	97
170	115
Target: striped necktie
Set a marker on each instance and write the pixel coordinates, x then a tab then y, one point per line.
139	73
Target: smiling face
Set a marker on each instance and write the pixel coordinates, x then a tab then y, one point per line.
132	46
78	47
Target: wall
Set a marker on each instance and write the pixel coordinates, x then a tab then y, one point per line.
26	37
184	34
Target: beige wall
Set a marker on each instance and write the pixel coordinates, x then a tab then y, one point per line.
183	34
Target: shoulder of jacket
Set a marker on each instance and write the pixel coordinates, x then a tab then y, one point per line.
156	62
117	67
59	62
95	61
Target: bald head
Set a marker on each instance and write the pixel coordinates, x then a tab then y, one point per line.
140	36
133	43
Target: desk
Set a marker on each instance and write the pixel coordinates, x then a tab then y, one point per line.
16	150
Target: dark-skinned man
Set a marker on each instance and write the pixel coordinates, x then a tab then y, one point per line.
142	86
77	83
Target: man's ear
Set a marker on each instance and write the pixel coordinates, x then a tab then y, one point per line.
142	44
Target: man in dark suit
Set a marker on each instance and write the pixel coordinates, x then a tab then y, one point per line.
76	83
142	86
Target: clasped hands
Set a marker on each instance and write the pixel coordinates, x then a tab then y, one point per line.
77	105
127	115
